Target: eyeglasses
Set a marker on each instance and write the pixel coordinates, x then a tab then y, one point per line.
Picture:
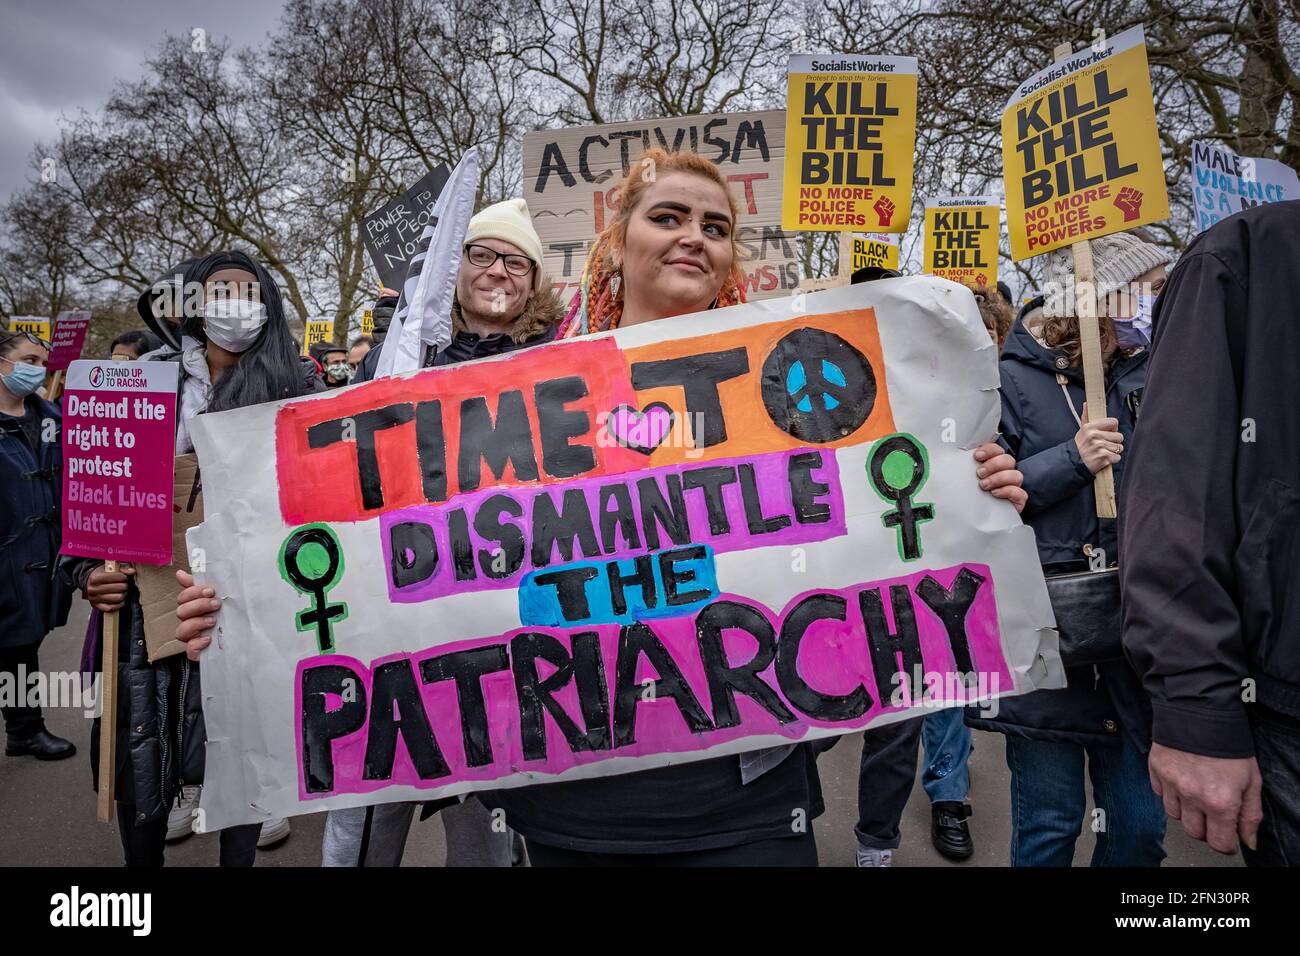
484	258
30	337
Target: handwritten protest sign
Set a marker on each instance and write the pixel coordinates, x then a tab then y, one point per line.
571	178
961	239
1226	183
392	235
317	331
1080	150
119	430
69	337
30	323
465	578
850	137
875	249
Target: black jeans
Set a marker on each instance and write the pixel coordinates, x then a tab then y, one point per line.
143	843
20	721
1277	748
783	851
885	780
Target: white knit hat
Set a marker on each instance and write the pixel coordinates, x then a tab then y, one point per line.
1117	260
510	222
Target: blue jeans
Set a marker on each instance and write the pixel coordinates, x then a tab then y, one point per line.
947	743
1048	804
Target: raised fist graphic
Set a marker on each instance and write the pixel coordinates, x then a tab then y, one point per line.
1129	202
884	208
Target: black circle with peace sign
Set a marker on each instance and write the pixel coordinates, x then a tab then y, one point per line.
817	387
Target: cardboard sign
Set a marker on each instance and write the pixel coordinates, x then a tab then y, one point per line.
1226	183
571	175
317	331
961	239
30	323
157	583
69	338
467	577
875	250
850	138
392	234
119	435
1080	149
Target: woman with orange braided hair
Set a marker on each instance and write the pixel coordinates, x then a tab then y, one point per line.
672	251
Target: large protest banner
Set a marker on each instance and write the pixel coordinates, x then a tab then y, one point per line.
1225	183
571	178
392	234
850	138
698	536
1080	151
30	323
961	239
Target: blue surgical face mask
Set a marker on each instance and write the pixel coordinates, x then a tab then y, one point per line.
1146	310
24	379
1129	336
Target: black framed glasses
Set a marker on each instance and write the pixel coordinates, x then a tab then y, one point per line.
484	258
30	337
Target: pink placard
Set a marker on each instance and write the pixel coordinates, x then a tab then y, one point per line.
67	339
119	440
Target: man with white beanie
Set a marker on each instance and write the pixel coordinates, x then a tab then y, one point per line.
503	303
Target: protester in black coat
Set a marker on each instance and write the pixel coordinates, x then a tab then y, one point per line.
235	350
33	598
1102	712
1210	537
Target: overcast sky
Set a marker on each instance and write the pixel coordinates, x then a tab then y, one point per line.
61	56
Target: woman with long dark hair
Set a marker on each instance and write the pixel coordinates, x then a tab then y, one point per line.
226	328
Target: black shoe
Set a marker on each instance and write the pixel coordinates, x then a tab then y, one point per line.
42	745
950	832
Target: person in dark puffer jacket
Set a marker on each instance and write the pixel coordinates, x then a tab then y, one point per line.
236	352
1103	713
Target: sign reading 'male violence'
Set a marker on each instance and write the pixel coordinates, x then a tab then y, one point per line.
693	537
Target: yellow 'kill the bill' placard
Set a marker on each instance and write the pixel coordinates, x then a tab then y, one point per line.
30	323
850	136
961	239
318	330
1080	150
875	250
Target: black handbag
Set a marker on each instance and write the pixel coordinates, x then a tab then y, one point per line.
1088	618
1086	603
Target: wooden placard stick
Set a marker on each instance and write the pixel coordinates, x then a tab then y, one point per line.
108	712
1094	371
846	255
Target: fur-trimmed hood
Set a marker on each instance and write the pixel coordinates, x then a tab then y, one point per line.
542	311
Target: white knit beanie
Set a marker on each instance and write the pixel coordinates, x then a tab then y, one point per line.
510	222
1117	260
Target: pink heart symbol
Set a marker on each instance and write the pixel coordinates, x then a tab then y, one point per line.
642	431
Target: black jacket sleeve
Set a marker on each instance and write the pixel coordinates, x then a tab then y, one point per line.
1178	526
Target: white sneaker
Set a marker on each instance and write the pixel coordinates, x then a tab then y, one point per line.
273	832
869	857
180	821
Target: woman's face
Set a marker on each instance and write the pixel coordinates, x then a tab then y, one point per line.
492	293
232	284
678	250
1123	304
22	351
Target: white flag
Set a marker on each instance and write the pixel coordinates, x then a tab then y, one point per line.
424	309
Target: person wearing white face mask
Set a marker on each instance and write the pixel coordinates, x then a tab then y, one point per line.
33	599
234	349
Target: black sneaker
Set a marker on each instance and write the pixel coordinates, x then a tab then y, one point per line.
950	832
